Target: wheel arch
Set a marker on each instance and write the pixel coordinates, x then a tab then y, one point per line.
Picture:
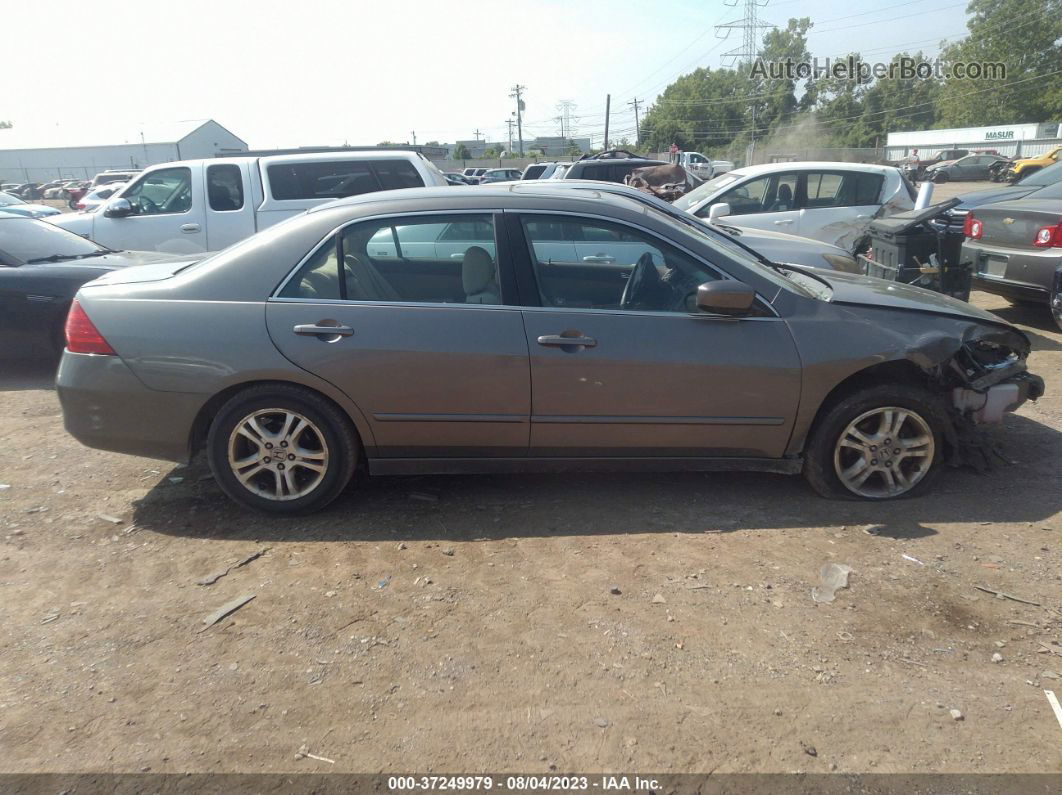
205	417
894	371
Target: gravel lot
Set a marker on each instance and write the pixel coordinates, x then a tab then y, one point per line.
471	624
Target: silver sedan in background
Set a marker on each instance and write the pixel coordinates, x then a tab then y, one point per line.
502	330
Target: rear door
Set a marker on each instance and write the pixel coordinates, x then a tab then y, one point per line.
839	205
434	374
230	212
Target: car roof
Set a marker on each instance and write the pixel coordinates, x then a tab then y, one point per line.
773	168
444	197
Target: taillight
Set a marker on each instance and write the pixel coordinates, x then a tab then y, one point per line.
1048	236
82	336
973	227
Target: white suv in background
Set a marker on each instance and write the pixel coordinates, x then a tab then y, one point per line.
832	202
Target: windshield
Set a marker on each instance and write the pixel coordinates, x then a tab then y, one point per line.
27	240
702	192
1045	176
7	198
779	277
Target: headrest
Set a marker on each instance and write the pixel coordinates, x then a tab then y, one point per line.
477	270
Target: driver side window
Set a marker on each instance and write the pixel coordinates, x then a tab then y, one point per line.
162	192
595	264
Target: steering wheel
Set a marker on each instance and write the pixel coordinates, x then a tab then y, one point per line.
146	206
641	278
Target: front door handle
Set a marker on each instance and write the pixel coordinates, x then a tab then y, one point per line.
190	228
316	330
784	222
568	341
603	259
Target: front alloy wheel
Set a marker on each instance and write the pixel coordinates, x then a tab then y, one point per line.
884	452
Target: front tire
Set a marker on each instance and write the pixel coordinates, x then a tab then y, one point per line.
878	443
281	449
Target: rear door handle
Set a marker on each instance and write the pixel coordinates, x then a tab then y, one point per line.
567	340
314	330
190	228
784	223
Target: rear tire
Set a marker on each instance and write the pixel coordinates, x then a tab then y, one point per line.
282	449
877	443
940	177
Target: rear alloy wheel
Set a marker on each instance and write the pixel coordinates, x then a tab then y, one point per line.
281	449
876	444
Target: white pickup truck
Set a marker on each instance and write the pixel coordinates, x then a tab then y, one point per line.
702	167
193	206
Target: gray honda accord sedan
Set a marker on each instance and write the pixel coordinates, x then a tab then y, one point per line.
500	330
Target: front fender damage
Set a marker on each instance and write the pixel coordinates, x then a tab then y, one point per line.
982	374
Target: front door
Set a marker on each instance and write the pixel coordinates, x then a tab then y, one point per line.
622	364
768	202
424	346
167	215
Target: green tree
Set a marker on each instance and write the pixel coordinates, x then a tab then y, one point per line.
1026	35
461	153
6	125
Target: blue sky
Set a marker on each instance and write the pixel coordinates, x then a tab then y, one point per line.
322	72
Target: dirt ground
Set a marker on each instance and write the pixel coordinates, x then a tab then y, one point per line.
469	624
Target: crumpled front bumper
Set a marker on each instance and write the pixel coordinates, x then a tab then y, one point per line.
990	405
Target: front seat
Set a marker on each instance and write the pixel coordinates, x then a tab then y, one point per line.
478	277
784	200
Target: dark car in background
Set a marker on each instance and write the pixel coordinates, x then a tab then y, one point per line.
611	166
974	167
955	218
41	268
401	333
1016	249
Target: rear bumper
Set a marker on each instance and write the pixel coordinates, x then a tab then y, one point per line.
107	407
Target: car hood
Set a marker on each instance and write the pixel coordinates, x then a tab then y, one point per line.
31	210
858	290
991	195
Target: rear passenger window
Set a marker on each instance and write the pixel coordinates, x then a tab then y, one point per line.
225	187
328	180
396	174
433	259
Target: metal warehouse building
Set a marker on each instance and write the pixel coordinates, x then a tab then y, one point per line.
1011	140
82	152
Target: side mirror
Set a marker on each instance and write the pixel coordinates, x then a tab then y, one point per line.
725	297
718	211
118	208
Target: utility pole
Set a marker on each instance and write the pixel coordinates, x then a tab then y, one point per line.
566	119
509	123
750	26
634	103
414	134
517	94
608	108
477	133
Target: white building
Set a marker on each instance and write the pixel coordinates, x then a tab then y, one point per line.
40	155
1011	140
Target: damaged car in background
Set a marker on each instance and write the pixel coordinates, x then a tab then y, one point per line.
401	332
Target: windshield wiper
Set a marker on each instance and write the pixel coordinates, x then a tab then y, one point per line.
60	257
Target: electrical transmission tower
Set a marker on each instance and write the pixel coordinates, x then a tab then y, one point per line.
750	26
567	119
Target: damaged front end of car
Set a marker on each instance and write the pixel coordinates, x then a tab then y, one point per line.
984	376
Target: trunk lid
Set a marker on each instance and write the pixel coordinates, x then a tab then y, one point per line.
138	274
1014	224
